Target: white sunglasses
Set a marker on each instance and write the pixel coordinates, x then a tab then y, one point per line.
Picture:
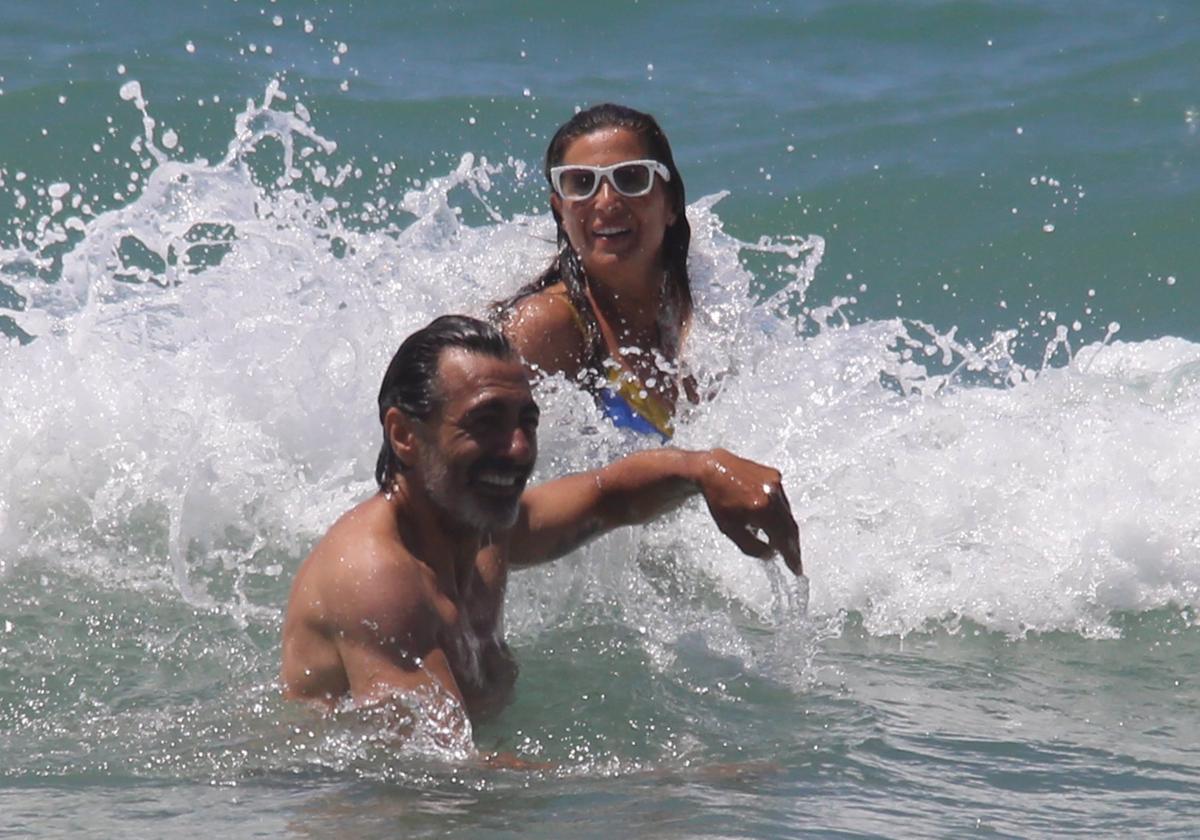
630	178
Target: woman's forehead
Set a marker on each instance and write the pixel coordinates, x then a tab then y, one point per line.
604	146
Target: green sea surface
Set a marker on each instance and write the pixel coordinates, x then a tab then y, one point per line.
948	247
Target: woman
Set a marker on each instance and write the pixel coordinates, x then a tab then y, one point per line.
613	307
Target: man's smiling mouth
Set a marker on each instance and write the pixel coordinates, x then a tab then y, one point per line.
502	480
498	479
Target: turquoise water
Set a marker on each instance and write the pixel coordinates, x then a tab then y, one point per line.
944	252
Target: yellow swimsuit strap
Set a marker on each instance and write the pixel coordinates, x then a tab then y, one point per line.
576	316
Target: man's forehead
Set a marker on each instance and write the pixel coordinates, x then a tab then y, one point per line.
464	374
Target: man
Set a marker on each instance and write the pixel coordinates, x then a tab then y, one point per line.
403	597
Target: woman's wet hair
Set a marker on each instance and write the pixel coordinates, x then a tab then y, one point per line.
566	266
411	378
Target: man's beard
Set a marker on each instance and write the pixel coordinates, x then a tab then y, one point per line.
464	508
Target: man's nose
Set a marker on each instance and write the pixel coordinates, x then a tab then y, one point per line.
521	445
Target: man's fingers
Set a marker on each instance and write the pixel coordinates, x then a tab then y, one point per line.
784	537
744	539
782	496
790	550
783	533
748	540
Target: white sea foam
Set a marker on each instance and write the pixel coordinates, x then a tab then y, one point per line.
201	391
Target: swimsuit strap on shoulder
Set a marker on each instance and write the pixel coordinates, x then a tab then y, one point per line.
576	316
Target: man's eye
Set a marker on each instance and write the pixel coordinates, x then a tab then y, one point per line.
481	420
481	425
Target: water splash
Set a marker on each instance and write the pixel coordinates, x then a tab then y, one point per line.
205	357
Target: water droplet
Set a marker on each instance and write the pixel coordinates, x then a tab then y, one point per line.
131	90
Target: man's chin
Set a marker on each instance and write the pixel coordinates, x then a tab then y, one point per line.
489	522
487	516
500	517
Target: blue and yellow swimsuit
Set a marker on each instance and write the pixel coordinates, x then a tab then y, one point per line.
627	403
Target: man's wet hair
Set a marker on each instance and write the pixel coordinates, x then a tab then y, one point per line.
411	378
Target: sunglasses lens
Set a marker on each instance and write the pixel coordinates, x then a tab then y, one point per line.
633	178
577	183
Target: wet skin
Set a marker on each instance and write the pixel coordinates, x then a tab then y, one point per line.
619	240
407	589
405	593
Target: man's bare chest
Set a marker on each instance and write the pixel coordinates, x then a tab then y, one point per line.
471	628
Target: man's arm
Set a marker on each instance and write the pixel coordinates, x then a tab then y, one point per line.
746	501
394	662
384	634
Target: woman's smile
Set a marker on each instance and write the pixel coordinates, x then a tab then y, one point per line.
617	237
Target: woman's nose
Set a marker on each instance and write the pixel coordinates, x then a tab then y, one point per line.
606	193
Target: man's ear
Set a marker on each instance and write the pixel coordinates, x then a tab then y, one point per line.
401	433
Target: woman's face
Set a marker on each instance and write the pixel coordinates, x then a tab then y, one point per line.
618	238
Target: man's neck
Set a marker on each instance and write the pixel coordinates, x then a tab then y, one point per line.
449	548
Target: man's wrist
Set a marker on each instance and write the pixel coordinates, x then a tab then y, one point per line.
699	466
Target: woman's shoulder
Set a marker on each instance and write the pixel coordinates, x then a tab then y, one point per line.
547	331
548	307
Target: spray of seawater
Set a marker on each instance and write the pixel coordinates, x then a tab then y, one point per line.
192	405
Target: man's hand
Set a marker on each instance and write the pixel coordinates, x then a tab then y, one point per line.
748	504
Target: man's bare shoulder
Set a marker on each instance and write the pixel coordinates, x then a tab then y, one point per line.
360	571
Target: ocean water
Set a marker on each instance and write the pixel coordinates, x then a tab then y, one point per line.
945	260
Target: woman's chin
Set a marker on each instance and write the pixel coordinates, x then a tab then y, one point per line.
614	263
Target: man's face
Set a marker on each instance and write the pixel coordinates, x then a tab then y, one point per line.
478	447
